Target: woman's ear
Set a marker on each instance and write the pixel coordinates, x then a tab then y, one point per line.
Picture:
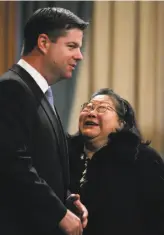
121	124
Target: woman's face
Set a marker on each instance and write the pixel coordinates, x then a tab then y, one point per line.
94	122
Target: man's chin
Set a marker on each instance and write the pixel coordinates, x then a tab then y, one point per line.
67	75
64	77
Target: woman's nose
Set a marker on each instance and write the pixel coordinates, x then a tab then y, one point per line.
92	112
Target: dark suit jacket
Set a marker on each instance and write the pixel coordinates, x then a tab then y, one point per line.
34	174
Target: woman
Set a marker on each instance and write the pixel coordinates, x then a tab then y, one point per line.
119	177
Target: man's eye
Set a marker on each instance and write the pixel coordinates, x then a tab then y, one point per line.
71	46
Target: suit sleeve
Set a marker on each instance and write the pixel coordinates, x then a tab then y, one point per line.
21	187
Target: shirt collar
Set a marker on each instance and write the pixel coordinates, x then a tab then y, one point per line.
39	79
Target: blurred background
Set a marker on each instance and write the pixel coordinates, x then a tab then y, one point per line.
123	49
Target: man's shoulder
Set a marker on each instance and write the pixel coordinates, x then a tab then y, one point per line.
10	75
11	81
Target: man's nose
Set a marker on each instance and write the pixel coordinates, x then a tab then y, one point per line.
78	55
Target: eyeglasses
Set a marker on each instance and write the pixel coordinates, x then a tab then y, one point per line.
100	108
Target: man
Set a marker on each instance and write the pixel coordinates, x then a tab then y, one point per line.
34	174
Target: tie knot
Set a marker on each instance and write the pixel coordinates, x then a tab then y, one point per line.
49	92
49	96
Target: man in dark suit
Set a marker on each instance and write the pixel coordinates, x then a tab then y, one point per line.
34	175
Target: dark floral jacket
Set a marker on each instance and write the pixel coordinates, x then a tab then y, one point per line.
123	188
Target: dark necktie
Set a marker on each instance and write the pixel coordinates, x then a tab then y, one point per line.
50	98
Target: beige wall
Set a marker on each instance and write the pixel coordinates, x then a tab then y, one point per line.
125	51
7	34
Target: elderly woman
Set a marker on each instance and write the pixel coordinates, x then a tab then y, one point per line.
119	177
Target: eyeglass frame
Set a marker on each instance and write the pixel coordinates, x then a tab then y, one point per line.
108	107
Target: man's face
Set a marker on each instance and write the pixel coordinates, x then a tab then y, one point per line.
62	56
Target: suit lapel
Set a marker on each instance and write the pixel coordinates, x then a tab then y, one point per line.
52	115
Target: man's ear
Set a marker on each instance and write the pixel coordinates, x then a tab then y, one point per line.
43	43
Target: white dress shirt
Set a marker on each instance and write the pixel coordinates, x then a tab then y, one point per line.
39	79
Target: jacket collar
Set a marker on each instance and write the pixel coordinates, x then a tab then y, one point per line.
124	138
123	146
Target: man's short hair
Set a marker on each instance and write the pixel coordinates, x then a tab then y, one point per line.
52	21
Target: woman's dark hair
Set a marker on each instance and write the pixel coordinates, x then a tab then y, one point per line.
124	110
52	21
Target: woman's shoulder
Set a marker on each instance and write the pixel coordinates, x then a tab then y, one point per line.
148	153
75	139
149	161
75	144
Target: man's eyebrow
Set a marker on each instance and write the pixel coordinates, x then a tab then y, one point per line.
75	44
